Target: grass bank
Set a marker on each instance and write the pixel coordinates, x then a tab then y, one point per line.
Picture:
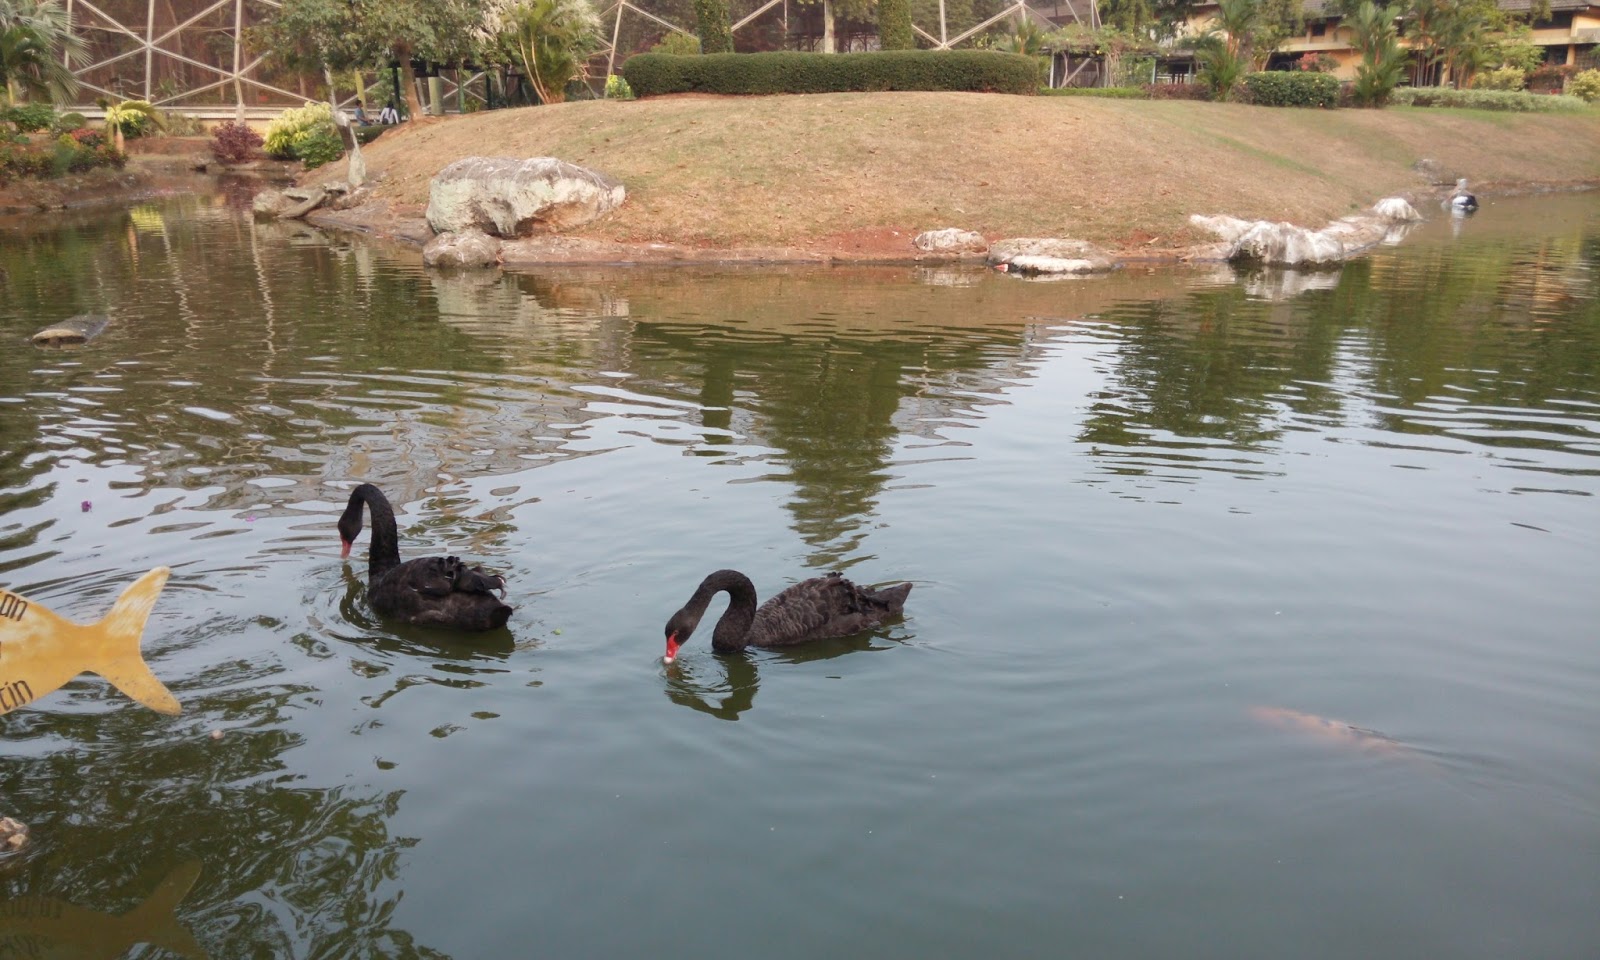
857	174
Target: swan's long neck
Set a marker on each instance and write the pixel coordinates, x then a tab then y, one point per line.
384	553
732	632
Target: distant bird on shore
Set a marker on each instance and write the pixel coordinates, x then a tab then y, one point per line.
430	592
812	609
1461	201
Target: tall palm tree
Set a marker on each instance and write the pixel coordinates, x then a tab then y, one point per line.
552	39
38	51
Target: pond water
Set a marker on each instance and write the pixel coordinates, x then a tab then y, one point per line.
1158	524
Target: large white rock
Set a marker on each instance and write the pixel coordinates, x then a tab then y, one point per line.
950	240
1284	244
1226	228
504	197
1396	210
1048	255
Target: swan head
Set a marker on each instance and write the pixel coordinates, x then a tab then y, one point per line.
1461	185
677	631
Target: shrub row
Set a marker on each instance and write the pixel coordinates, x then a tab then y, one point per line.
654	74
1485	100
68	153
1291	88
1109	93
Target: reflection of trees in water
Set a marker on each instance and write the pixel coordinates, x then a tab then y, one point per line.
828	404
1209	380
288	870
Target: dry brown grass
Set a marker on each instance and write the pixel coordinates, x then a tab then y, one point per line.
772	171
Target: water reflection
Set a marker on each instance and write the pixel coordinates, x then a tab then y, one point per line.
724	697
45	927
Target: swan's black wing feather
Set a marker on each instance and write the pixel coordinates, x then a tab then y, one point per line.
823	607
440	591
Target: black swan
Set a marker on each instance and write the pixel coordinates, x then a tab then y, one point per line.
813	609
432	591
1461	201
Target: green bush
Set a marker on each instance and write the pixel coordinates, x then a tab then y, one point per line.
653	74
678	44
306	134
1585	86
1505	78
29	117
1177	91
1486	100
1298	88
618	89
1110	93
68	122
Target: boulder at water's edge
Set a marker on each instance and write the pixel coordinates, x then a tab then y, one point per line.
503	197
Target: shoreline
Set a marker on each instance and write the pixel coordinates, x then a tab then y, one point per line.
408	228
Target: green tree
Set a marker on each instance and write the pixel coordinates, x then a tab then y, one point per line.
550	40
894	25
1382	60
314	35
38	51
716	36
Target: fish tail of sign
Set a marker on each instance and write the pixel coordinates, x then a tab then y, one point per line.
156	920
119	659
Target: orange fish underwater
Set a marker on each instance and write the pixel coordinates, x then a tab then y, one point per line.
40	651
1331	731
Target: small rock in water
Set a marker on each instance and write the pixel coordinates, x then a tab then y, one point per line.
79	329
216	734
13	834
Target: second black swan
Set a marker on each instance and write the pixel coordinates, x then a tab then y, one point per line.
431	591
812	609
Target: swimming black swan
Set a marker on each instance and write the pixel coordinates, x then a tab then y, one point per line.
432	591
1461	201
813	609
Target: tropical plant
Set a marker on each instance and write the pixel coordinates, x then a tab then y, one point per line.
304	133
130	118
1382	60
551	39
38	51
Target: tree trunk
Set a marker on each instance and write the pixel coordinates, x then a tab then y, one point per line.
827	27
402	52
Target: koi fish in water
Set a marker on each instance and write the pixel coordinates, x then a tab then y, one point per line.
45	927
40	651
1330	731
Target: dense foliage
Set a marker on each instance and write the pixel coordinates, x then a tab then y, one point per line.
234	142
716	36
1511	100
28	117
653	74
306	134
1505	78
1585	86
71	152
38	51
550	40
894	25
1382	59
1285	88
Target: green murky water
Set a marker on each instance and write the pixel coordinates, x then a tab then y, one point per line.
1139	511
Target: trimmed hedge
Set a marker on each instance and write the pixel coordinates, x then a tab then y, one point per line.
654	74
1286	88
1110	93
1485	100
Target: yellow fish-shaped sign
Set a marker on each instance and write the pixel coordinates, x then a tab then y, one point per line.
45	927
40	651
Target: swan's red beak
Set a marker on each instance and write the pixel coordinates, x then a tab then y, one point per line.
672	649
345	553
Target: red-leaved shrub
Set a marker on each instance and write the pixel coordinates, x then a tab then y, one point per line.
235	142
